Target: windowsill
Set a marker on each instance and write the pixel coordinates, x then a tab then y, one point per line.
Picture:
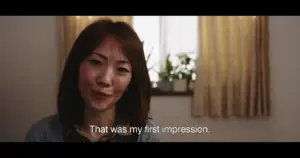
156	92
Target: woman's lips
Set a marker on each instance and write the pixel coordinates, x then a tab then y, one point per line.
101	95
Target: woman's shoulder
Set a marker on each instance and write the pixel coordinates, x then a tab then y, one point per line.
45	129
150	133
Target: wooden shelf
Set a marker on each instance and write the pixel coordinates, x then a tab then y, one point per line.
157	92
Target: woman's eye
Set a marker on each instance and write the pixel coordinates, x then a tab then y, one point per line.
121	69
94	62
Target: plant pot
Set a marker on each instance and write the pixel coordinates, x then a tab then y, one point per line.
165	85
180	85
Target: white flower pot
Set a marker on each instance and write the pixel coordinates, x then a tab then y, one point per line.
180	85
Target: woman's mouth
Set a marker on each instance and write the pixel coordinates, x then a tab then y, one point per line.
101	95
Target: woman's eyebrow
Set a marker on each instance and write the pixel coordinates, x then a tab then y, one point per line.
101	55
123	61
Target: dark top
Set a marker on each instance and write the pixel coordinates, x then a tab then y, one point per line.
49	129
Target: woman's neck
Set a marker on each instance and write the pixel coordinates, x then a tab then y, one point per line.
94	119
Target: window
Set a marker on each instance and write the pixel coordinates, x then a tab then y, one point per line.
166	34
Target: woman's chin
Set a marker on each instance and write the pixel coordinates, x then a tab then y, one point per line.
100	106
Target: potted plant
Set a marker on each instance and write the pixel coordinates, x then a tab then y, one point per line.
149	67
192	75
164	83
183	73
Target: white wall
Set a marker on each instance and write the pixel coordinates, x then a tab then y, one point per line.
28	57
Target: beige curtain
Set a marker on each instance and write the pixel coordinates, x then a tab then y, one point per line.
70	27
232	67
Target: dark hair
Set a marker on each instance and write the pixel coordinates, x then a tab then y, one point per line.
134	104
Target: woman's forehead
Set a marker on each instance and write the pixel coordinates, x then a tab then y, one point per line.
111	47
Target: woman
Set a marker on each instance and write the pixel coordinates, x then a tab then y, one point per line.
104	93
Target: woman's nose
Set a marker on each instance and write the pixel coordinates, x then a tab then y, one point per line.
105	78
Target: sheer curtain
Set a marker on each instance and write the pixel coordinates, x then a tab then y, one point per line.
147	28
181	34
166	34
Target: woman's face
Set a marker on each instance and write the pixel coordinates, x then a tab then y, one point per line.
104	75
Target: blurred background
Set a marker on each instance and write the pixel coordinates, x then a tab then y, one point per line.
246	87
